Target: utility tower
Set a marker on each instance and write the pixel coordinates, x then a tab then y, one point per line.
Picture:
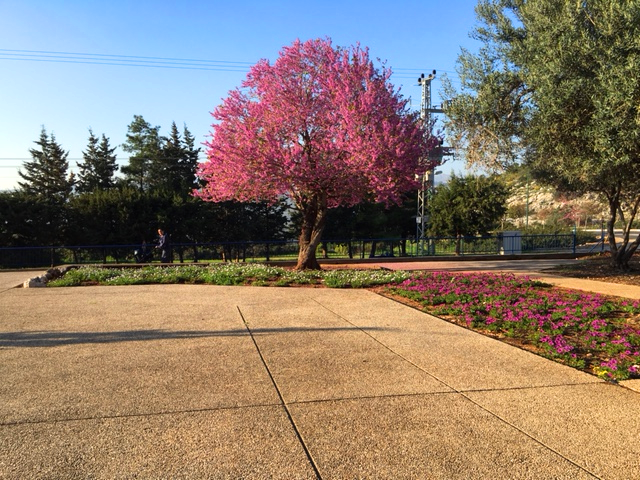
426	173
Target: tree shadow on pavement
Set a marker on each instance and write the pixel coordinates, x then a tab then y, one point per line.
60	338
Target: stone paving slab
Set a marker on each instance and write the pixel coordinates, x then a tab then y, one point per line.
88	357
462	264
596	426
460	358
632	384
249	443
130	378
295	342
13	279
590	286
436	436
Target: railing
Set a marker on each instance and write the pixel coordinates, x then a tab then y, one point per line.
504	244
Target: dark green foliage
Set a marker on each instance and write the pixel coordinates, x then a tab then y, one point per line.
162	164
371	220
47	175
97	172
155	192
144	145
184	158
129	216
116	216
174	171
42	198
467	206
28	220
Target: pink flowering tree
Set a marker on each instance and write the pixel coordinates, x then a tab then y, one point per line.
321	126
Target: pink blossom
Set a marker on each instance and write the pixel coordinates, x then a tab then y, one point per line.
566	322
322	126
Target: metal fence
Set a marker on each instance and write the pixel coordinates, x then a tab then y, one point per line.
507	243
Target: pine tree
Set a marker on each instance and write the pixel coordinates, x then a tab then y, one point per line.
165	173
189	164
99	166
143	143
47	175
174	170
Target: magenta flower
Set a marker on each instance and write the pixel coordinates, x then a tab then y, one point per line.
565	323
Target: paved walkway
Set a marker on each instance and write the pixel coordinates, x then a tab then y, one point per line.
195	381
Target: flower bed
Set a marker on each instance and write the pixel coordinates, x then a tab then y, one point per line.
586	331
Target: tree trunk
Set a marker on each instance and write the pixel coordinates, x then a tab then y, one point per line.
621	254
620	260
307	257
374	246
314	214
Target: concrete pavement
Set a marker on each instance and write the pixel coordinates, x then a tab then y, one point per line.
11	279
195	381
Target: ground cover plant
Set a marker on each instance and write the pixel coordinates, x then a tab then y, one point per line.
253	274
591	332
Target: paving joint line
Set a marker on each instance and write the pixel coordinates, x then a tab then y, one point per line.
282	400
460	392
452	391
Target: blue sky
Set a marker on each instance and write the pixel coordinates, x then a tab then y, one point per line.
212	45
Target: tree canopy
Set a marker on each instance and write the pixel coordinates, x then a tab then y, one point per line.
175	168
47	175
97	171
321	126
144	145
468	206
555	84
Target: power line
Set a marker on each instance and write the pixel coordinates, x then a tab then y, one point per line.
122	56
120	64
123	60
153	62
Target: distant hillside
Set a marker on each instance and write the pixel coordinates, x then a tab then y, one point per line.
545	206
